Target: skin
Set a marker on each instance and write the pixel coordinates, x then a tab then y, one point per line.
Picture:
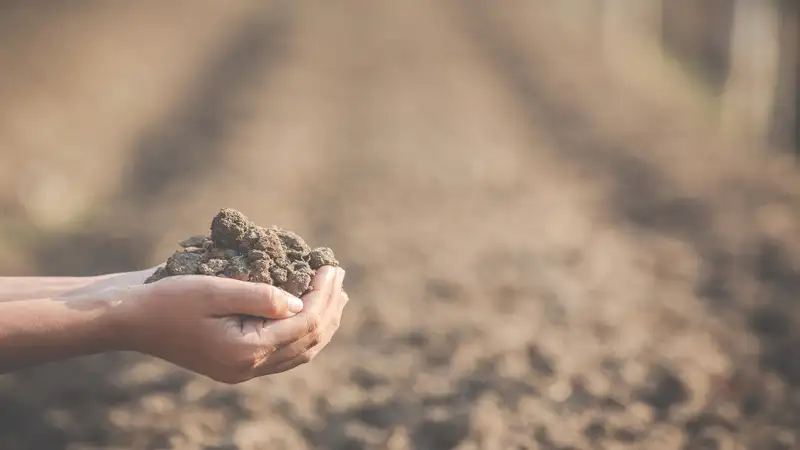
210	325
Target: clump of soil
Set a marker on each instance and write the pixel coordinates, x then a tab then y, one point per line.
240	249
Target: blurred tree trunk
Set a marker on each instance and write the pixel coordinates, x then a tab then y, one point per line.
796	109
696	33
748	96
785	128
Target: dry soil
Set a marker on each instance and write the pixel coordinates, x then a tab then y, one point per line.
538	257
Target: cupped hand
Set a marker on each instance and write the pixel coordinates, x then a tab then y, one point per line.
229	330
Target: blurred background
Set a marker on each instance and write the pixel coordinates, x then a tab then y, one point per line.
567	224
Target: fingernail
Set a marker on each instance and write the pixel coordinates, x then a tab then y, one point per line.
295	304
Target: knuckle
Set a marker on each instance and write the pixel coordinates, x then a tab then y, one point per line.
315	338
272	300
313	322
306	357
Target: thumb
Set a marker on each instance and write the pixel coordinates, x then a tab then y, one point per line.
236	297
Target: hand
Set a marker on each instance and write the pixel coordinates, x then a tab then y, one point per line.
216	326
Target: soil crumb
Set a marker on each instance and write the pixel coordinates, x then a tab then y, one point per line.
239	249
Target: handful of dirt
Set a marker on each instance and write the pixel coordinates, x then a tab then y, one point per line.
242	250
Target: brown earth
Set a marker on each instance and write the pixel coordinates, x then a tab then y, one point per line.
240	249
538	255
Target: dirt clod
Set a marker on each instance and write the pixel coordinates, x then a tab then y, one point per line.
322	256
229	229
184	263
194	241
242	250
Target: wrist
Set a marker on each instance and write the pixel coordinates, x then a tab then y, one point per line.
118	299
106	316
47	329
122	326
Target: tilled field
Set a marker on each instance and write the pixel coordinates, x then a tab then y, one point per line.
536	257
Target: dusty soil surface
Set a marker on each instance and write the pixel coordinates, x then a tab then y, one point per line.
537	256
238	248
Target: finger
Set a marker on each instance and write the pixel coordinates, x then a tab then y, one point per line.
253	299
281	333
301	347
321	284
298	339
284	366
298	353
344	299
306	348
332	316
289	358
324	283
320	327
338	284
336	291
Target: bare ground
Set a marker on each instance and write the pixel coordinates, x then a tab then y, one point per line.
538	256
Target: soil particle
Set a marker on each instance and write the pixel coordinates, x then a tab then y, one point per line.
216	266
299	278
184	263
259	271
279	274
238	269
205	269
242	250
257	255
160	273
194	241
322	256
229	228
292	241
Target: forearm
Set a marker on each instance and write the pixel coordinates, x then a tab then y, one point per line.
25	288
43	320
